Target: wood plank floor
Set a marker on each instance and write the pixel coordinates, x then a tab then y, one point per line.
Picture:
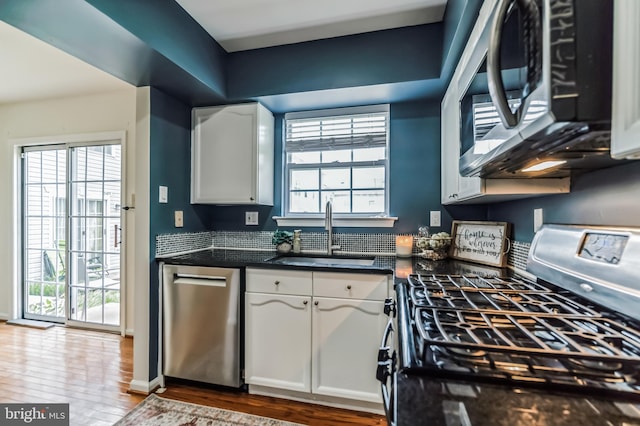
91	371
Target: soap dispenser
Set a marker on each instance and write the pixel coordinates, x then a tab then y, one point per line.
296	240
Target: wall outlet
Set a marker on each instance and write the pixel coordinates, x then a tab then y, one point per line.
163	194
178	218
538	219
434	218
251	218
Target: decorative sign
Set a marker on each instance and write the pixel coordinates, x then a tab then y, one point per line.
481	242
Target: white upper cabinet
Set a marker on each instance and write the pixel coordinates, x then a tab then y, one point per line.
625	127
232	155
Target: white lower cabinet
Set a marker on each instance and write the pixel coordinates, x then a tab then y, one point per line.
346	335
321	342
278	345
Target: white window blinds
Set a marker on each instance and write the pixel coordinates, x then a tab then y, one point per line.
338	155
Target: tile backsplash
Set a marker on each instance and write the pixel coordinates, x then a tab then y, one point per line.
183	242
310	242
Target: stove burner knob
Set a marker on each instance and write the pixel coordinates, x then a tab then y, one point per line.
586	287
389	307
383	371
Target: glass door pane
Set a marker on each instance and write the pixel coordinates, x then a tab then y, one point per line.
44	196
94	233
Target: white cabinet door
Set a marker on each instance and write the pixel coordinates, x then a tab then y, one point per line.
232	155
625	136
455	188
346	335
277	341
450	151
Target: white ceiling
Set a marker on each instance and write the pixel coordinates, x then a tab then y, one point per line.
252	24
33	70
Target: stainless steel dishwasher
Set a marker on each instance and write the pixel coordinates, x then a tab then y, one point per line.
201	324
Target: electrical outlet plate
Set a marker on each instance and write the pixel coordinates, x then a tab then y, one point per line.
251	218
179	218
434	218
538	219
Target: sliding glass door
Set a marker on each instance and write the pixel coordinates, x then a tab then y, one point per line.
72	229
44	217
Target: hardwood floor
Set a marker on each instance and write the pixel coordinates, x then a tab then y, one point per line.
91	371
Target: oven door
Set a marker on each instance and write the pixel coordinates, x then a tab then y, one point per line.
387	364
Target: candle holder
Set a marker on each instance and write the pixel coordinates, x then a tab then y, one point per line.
404	245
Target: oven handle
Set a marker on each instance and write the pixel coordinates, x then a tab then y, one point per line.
494	63
386	368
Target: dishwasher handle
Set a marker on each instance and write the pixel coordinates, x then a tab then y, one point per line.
201	280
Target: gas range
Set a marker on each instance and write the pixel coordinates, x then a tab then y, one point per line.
513	331
544	353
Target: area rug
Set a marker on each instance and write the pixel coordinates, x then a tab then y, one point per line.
156	411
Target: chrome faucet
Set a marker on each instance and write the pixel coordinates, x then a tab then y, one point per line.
328	225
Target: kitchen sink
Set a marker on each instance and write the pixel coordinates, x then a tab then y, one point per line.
323	261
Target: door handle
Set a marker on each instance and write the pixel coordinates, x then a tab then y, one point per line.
494	62
115	236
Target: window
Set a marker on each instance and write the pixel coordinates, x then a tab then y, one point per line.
339	155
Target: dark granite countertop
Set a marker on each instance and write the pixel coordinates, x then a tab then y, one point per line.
427	401
398	266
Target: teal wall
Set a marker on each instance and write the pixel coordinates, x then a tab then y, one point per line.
169	165
390	56
603	197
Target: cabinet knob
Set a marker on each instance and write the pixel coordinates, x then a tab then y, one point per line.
349	287
305	302
251	199
276	282
315	303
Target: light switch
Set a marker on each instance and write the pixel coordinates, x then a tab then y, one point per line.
434	218
179	218
163	194
251	218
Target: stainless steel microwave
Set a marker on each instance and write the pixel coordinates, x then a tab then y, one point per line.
535	98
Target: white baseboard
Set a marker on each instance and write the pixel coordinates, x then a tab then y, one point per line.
349	404
140	386
128	332
4	316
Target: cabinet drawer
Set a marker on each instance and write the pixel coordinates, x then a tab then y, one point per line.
350	286
279	281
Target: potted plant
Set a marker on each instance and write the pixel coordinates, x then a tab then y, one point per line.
283	241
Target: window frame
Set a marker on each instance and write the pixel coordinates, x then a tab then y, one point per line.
336	112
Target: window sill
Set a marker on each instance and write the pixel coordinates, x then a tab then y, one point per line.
339	222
